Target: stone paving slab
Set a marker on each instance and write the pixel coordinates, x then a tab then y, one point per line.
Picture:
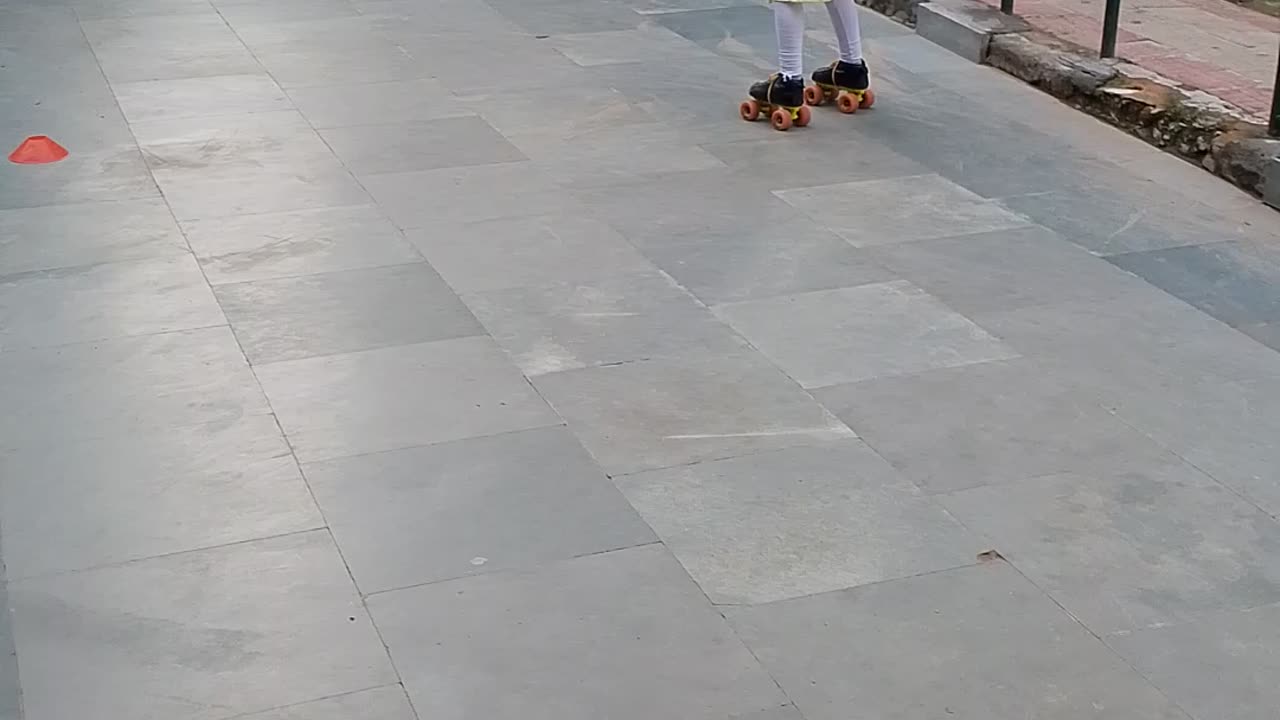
1232	281
612	155
1004	270
624	634
988	424
785	257
210	634
1108	219
1158	566
387	359
1267	333
575	325
180	488
940	208
417	199
301	317
1195	385
845	519
385	703
71	305
1221	666
662	413
274	246
10	687
156	100
532	251
400	396
51	237
872	331
124	386
509	501
868	647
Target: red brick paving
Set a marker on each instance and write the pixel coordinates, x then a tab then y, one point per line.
1210	45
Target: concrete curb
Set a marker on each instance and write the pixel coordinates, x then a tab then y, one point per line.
1271	190
904	11
1197	126
1190	124
965	29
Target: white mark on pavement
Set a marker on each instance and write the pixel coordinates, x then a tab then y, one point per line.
834	432
1133	220
547	356
478	561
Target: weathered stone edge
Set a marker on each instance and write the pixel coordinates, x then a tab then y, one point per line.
1188	123
904	11
1193	125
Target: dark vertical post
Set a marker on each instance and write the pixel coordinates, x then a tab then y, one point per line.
1006	7
1273	127
1110	24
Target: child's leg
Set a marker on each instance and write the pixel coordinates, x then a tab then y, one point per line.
844	16
846	80
788	19
786	89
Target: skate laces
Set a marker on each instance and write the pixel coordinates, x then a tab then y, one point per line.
775	80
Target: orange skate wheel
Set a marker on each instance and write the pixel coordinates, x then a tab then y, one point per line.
868	99
847	103
780	119
803	116
814	96
749	110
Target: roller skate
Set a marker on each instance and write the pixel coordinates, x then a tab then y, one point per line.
781	99
846	83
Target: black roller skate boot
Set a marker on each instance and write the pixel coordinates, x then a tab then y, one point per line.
779	98
846	83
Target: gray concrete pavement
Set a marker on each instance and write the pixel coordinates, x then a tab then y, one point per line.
454	359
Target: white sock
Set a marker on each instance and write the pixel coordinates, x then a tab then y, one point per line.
788	19
844	17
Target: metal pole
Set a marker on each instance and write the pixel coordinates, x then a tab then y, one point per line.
1110	24
1273	128
1006	7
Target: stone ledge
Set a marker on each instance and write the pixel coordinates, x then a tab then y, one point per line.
965	27
1271	189
904	11
1194	125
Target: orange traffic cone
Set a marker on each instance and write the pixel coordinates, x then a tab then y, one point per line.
37	150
